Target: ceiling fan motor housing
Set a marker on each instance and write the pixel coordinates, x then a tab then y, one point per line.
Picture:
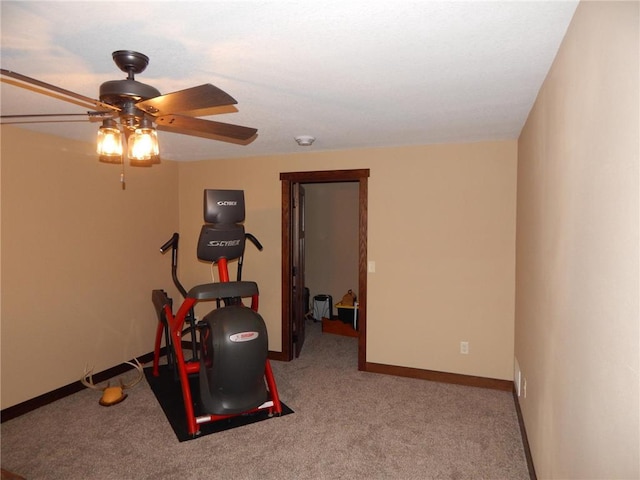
125	93
115	92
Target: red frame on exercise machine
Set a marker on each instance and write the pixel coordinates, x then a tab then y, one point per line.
176	324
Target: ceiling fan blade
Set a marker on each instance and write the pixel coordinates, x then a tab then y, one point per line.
26	122
195	98
53	117
52	88
225	132
86	114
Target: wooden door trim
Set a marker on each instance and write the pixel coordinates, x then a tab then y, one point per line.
287	338
325	176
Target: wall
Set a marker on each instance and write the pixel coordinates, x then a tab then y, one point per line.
79	260
577	252
80	256
441	231
331	239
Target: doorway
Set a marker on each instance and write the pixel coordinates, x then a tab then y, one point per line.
293	237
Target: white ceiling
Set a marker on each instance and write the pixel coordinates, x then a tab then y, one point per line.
352	73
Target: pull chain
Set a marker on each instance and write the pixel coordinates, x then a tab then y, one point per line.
122	182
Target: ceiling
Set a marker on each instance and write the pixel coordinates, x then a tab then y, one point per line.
352	73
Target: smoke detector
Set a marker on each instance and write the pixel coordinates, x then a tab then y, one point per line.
305	140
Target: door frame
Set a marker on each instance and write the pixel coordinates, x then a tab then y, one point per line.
324	176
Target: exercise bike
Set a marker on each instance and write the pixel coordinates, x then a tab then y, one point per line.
229	346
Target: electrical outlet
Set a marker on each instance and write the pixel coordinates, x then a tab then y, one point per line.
524	387
371	266
464	348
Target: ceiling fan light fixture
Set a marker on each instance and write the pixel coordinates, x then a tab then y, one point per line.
130	108
143	143
109	144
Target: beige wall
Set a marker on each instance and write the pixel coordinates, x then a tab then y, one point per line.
577	253
441	231
331	239
80	256
79	260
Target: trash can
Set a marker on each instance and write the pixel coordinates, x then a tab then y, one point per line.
322	307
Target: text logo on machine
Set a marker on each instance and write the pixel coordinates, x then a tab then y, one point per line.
223	243
229	203
243	336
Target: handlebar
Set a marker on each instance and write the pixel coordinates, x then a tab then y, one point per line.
258	245
254	240
173	241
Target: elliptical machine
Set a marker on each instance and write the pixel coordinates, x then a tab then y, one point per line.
229	346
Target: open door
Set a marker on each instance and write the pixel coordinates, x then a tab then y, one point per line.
290	302
299	307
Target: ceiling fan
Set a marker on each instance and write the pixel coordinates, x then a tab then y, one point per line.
130	107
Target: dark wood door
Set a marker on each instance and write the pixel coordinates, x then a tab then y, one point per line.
289	179
299	306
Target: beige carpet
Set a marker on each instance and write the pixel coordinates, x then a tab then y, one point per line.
347	425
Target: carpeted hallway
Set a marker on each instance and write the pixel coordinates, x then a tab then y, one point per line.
347	425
